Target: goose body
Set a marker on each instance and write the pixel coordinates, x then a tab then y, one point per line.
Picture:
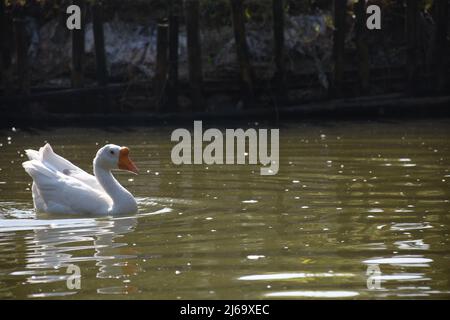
60	187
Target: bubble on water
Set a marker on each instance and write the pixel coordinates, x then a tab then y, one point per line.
156	173
9	138
295	181
177	272
130	180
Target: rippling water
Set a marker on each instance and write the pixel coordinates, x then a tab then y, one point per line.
350	198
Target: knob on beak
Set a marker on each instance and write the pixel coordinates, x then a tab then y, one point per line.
125	162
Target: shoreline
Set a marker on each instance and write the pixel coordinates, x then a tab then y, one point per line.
369	107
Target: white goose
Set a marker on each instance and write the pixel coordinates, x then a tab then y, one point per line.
62	188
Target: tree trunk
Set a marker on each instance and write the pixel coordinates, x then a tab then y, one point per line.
363	50
237	10
172	96
99	39
412	22
78	49
441	50
160	80
22	56
280	55
194	54
6	31
340	7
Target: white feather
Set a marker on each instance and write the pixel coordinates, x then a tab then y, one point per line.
56	192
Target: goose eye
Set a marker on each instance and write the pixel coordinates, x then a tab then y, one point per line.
112	152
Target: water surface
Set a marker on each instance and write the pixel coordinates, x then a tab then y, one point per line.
349	197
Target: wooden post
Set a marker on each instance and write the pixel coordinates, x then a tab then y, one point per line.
78	49
22	56
340	8
412	21
362	48
5	48
160	79
99	39
280	56
2	40
194	54
172	85
237	11
441	49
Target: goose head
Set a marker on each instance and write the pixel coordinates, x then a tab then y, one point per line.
113	157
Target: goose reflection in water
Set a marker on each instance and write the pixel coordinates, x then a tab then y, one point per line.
54	245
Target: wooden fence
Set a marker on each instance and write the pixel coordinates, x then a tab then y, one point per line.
166	84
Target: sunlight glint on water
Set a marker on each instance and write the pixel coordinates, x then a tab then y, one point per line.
348	196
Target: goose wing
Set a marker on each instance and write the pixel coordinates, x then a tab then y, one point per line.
53	161
60	193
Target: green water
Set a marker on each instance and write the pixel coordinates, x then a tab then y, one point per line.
348	196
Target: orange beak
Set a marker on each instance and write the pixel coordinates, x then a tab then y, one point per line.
125	162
